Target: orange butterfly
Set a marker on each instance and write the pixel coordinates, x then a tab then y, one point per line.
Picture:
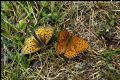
35	43
70	45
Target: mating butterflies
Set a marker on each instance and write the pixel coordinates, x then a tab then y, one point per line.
32	44
70	45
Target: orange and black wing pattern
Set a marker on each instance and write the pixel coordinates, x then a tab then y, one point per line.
62	41
75	47
32	45
70	48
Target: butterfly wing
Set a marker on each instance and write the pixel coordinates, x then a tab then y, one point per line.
75	47
31	46
45	33
62	41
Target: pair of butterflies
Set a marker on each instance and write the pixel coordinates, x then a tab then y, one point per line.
68	44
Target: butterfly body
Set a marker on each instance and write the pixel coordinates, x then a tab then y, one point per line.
70	45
